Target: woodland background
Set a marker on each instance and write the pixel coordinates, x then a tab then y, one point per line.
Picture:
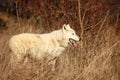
97	22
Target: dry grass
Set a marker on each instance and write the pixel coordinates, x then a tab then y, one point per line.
98	59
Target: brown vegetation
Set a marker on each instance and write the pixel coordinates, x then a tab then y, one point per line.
97	59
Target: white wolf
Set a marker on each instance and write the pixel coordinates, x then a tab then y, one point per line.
42	45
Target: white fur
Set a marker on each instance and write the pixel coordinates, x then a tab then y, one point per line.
42	45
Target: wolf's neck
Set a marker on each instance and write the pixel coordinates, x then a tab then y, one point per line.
55	36
58	37
58	34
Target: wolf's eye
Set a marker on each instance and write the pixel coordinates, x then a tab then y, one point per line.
72	33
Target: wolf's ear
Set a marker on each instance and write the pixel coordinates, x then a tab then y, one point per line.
66	27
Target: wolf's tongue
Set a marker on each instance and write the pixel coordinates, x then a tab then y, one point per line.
74	44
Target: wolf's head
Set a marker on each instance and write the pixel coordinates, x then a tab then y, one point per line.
69	35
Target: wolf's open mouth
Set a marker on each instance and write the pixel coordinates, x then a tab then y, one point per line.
73	42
